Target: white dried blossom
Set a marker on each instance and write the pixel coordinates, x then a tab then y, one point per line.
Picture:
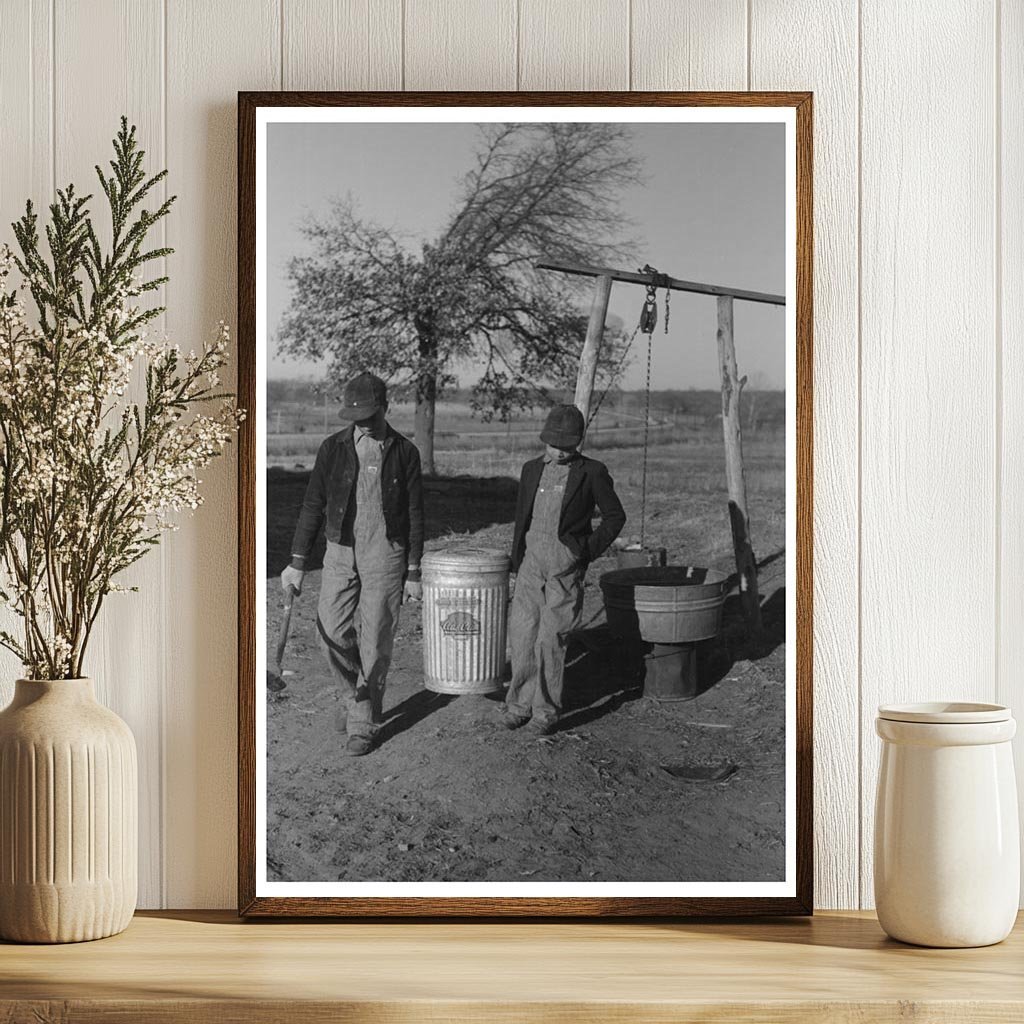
97	456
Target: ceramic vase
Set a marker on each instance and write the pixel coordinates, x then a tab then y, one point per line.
68	815
947	848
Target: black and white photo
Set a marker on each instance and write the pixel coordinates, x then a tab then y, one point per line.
525	485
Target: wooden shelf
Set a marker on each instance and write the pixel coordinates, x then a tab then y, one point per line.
210	967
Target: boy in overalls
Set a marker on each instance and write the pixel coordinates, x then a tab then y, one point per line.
554	542
366	490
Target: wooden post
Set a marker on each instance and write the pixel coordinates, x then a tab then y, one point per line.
592	346
746	563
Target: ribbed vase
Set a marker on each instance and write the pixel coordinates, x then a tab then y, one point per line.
68	815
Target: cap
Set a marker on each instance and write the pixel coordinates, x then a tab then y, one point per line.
364	394
564	427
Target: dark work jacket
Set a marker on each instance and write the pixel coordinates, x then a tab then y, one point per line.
332	486
587	486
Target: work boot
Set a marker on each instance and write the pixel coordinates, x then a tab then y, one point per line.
513	721
543	726
358	745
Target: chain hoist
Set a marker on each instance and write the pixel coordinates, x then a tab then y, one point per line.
647	435
648	322
649	314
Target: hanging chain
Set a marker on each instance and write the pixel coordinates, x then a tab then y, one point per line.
647	324
647	431
615	374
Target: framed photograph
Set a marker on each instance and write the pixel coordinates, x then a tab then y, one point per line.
525	504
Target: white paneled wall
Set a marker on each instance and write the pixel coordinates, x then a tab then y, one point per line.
831	72
1009	329
919	324
928	410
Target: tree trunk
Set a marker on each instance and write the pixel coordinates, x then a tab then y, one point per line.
426	400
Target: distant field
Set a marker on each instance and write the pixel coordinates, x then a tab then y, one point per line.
464	443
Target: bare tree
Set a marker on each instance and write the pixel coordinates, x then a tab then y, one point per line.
365	299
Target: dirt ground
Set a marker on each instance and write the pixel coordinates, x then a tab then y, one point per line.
450	795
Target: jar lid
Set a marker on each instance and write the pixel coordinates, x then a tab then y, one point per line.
945	712
466	558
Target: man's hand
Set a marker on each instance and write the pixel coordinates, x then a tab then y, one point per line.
291	579
412	591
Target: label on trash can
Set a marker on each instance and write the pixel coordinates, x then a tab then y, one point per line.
460	625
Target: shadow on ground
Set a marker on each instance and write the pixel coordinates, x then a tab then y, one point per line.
735	642
459	504
604	672
411	711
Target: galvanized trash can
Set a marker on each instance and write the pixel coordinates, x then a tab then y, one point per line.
465	618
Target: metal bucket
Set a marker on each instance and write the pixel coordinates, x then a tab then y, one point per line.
465	615
664	605
670	672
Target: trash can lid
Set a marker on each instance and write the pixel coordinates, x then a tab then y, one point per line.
467	558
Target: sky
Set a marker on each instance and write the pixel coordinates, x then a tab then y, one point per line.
711	209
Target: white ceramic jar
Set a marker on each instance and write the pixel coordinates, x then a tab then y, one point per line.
68	815
947	848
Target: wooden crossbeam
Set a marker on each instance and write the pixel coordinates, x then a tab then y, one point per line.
661	281
732	386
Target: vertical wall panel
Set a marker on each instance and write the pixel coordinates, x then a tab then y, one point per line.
213	50
689	44
26	68
26	171
814	46
574	44
125	653
1010	175
928	406
342	44
468	45
26	76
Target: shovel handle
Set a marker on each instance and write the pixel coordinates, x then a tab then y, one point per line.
286	618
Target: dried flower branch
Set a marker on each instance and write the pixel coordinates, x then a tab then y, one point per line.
89	478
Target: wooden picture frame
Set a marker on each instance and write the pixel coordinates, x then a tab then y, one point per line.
253	904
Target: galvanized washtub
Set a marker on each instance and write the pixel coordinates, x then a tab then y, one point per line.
671	604
465	611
